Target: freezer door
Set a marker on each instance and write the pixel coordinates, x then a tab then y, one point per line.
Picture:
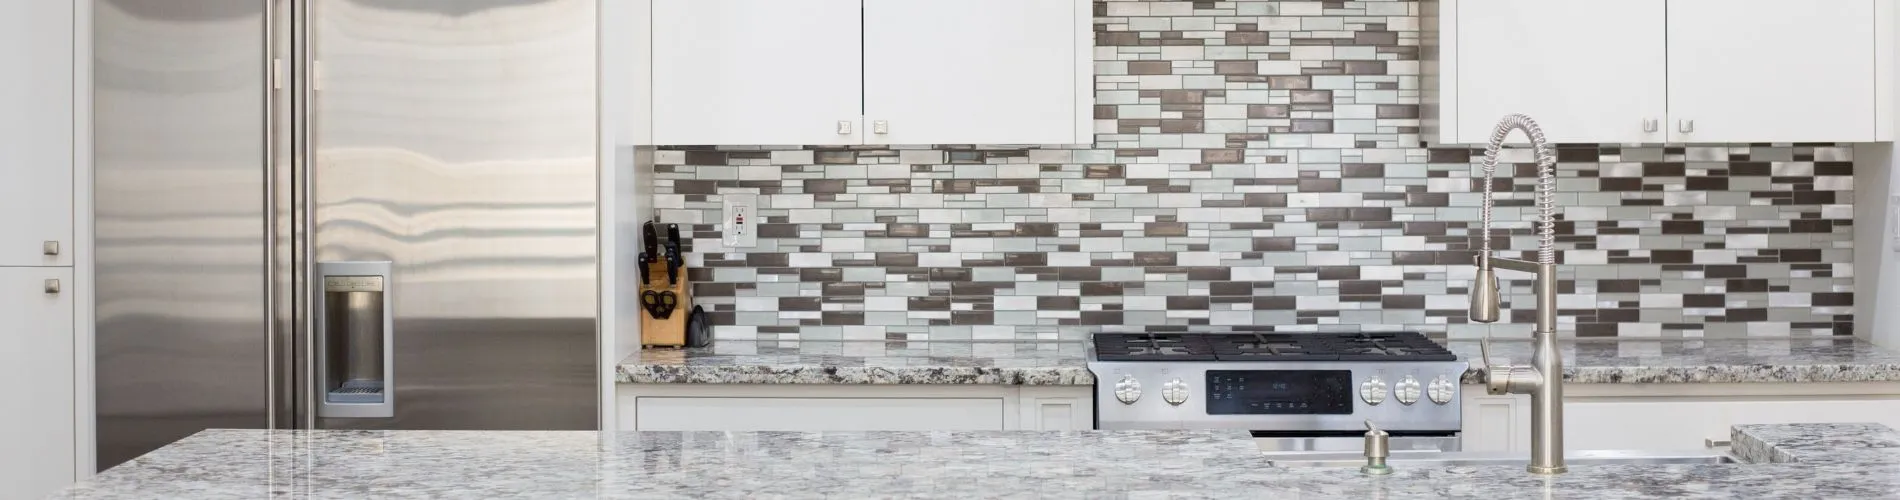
179	137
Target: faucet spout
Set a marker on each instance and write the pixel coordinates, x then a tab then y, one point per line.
1546	186
1543	378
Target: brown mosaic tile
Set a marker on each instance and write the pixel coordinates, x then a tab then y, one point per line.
1257	177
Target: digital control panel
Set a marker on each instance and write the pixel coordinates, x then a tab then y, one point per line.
1279	392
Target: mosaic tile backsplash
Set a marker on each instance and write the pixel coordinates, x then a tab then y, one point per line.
1258	164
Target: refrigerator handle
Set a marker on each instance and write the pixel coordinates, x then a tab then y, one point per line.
355	339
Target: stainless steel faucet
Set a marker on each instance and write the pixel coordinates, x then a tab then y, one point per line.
1543	378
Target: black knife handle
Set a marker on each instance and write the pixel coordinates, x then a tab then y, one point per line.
673	235
646	274
649	239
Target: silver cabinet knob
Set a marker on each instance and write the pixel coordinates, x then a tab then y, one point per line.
1372	391
1174	392
49	247
844	127
1686	126
1128	390
52	286
880	127
1651	125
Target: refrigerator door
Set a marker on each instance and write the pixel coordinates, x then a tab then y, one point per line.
456	141
180	139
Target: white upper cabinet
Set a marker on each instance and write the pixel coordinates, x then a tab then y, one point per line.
36	134
1661	71
851	72
976	71
757	72
1771	71
1580	83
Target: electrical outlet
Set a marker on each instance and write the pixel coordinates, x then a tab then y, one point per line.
740	220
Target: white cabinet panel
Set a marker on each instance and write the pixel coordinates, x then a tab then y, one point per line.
1682	425
765	72
1557	62
974	71
1671	416
1771	70
36	358
819	414
36	132
1057	408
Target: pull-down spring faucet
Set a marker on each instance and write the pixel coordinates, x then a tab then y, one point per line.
1543	378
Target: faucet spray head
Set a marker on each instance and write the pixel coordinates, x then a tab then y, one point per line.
1484	295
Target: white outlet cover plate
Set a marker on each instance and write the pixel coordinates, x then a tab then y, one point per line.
739	220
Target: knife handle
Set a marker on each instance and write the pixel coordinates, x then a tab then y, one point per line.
649	239
672	267
646	274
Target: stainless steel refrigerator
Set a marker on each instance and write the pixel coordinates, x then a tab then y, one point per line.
365	214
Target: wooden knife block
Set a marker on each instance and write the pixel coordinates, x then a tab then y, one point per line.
671	331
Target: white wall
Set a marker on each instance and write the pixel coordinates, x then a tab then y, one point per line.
85	440
625	191
1876	276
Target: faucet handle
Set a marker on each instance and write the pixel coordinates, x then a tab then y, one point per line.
1484	353
1497	377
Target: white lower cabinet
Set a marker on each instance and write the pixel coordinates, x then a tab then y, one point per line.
36	357
747	407
1056	408
1673	416
820	414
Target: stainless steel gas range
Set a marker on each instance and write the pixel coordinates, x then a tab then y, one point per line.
1299	391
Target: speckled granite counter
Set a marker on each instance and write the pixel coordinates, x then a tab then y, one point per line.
1663	361
863	362
1093	464
1586	361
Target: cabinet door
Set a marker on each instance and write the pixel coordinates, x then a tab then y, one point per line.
36	358
766	72
36	133
1056	408
1687	425
819	414
1771	70
974	71
1586	71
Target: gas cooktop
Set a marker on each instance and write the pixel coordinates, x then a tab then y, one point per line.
1258	347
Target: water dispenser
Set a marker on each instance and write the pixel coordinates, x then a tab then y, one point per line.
355	341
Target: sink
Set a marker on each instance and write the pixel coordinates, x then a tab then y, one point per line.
1459	458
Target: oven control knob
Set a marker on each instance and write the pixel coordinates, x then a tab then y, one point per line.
1441	390
1407	390
1372	391
1174	392
1128	390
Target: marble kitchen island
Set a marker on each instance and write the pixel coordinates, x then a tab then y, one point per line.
1795	461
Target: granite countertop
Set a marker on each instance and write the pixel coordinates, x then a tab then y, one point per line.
863	362
1801	461
1662	361
1586	361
